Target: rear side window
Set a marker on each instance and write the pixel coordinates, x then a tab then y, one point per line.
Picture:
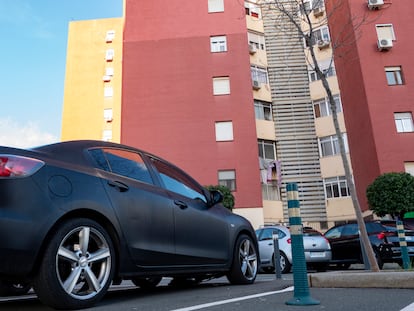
122	162
176	181
268	234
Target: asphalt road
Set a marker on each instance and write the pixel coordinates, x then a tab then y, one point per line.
268	293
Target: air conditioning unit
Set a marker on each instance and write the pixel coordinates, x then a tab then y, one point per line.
318	12
384	44
323	44
252	49
256	85
106	78
375	4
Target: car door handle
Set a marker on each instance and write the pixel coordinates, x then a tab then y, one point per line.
180	204
118	185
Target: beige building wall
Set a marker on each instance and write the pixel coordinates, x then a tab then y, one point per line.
93	80
337	209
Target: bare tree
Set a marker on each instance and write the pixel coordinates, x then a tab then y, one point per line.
297	13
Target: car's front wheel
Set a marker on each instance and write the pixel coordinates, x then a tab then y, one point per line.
244	266
77	266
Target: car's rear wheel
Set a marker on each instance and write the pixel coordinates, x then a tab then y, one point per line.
285	265
14	288
244	266
77	266
147	282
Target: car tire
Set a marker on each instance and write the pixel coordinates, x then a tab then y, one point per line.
14	288
380	263
147	282
245	261
285	265
77	265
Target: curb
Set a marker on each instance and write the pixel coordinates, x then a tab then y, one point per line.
364	279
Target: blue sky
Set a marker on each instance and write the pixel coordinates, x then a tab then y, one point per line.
33	58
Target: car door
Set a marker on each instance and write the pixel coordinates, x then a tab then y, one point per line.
201	232
144	209
266	248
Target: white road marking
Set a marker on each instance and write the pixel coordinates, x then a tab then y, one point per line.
409	308
222	302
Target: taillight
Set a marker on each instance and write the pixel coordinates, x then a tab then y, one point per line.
289	240
381	235
18	166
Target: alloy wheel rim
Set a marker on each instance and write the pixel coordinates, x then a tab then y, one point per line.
248	259
83	262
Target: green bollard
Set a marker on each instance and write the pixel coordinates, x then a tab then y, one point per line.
300	278
403	245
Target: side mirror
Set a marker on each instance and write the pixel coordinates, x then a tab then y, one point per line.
216	197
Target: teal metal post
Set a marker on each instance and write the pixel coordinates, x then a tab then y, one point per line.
403	245
301	294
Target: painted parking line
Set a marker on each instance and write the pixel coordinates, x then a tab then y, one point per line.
409	308
222	302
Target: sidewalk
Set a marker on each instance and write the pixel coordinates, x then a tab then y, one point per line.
359	278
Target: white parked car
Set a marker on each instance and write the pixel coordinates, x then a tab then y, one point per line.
317	248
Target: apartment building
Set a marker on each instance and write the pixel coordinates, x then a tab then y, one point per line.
374	67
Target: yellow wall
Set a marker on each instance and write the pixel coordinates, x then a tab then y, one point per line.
84	100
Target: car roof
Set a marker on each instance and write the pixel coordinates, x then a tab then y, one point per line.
73	151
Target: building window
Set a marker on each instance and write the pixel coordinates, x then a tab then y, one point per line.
215	6
409	167
385	31
327	68
221	86
336	187
404	122
228	179
322	107
270	192
329	145
394	75
252	9
110	35
224	131
108	91
309	5
259	74
109	55
108	115
256	40
319	36
109	71
267	149
218	44
263	110
107	135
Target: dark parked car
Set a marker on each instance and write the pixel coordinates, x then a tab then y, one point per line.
77	216
346	248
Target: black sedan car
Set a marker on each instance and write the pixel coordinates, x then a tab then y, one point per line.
76	216
346	247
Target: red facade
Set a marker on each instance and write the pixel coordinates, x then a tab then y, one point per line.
168	106
369	103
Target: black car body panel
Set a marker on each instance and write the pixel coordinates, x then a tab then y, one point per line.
144	219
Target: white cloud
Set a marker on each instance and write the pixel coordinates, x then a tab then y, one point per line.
13	134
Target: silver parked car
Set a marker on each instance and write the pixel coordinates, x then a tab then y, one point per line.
317	248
